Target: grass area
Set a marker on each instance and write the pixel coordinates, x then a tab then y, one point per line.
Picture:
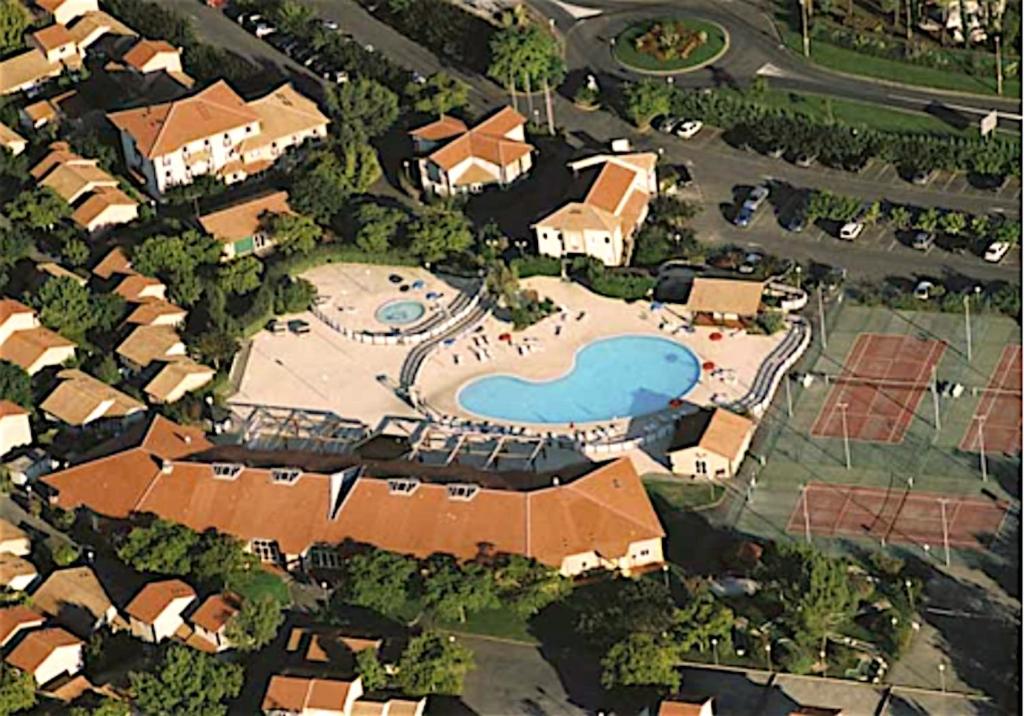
867	114
501	623
684	495
626	52
932	457
856	63
259	584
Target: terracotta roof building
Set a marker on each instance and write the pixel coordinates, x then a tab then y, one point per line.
725	298
15	619
211	619
602	225
15	427
241	227
11	140
146	344
26	343
678	706
155	613
459	159
75	598
13	539
32	68
214	131
16	573
64	11
150	56
47	654
176	378
97	202
324	697
710	443
80	399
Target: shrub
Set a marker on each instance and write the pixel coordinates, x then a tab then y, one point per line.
528	266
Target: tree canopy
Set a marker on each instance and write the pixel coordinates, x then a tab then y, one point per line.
364	105
434	664
377	580
240	276
451	592
641	660
14	20
163	547
439	95
256	624
323	184
369	668
220	558
294	233
15	384
68	307
525	56
646	100
439	232
17	690
528	586
377	226
187	682
177	261
39	208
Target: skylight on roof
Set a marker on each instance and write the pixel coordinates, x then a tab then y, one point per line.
226	470
403	486
462	492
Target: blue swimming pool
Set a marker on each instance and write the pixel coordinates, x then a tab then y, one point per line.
401	312
611	378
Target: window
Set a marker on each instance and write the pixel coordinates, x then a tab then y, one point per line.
701	467
285	475
323	556
248	129
403	486
462	492
226	470
206	142
644	552
267	550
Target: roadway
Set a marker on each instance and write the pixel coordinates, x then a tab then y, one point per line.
717	167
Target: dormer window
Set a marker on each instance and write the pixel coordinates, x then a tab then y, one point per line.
226	470
403	486
285	475
462	492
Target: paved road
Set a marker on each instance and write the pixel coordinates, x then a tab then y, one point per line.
717	167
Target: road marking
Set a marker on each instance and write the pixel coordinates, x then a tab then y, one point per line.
962	108
770	70
893	245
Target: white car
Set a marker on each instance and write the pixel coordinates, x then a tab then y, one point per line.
924	290
263	29
996	251
850	230
689	128
668	124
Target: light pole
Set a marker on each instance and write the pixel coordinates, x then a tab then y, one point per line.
846	434
789	396
967	321
981	448
768	651
714	648
807	518
942	677
945	529
935	401
803	24
821	319
664	571
910	594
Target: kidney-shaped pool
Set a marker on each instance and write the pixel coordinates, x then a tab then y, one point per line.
611	378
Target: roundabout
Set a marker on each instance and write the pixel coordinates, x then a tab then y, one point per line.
670	45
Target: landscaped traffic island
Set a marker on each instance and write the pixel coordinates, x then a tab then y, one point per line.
669	45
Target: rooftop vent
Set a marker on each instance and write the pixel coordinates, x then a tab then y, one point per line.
462	492
166	467
226	470
285	475
402	486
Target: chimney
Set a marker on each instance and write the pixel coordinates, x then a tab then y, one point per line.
166	467
188	439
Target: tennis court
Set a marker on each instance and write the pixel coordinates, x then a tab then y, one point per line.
881	384
896	515
996	423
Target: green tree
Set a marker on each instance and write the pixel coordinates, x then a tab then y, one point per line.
452	592
641	660
293	17
38	209
377	226
64	553
256	624
65	306
75	252
17	690
293	295
369	668
900	217
439	232
364	105
15	384
699	621
525	57
177	261
14	20
953	223
646	100
187	682
528	586
376	580
325	181
163	547
240	276
979	225
108	706
611	610
295	233
440	94
434	664
215	347
219	559
106	370
928	220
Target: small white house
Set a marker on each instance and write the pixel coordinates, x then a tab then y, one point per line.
47	654
156	612
211	619
16	574
14	540
15	429
710	444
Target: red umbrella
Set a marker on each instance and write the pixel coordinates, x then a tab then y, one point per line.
675	403
716	336
708	365
507	337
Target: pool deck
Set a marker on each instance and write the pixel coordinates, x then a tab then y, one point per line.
442	377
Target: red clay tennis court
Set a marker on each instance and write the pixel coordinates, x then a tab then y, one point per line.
996	424
879	388
895	515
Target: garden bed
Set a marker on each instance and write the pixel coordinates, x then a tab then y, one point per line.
668	45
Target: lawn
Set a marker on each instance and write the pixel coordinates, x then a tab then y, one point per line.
501	623
260	583
866	114
625	49
681	495
844	60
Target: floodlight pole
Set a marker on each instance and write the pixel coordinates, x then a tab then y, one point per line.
967	324
945	529
789	397
807	517
803	22
935	401
846	434
981	448
821	319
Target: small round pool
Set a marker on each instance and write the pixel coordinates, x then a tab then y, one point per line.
617	377
400	313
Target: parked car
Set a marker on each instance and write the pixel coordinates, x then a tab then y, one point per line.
275	326
804	160
757	196
264	29
668	124
922	176
924	289
298	326
853	228
331	25
750	262
689	129
797	222
996	251
775	151
922	241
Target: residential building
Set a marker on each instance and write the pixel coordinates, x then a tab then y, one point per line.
15	429
148	344
55	270
93	25
147	57
603	519
136	288
14	540
680	706
603	224
11	140
176	378
48	653
75	598
79	399
148	295
114	263
16	574
65	11
26	343
710	443
14	620
46	111
55	42
31	68
155	613
299	696
210	620
459	159
724	300
214	131
157	312
242	227
96	201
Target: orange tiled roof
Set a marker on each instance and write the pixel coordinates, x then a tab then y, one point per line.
37	646
242	220
115	262
147	312
8	408
295	694
144	51
610	187
53	36
216	611
26	347
486	141
439	129
9	307
101	200
165	128
13	619
133	285
155	597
